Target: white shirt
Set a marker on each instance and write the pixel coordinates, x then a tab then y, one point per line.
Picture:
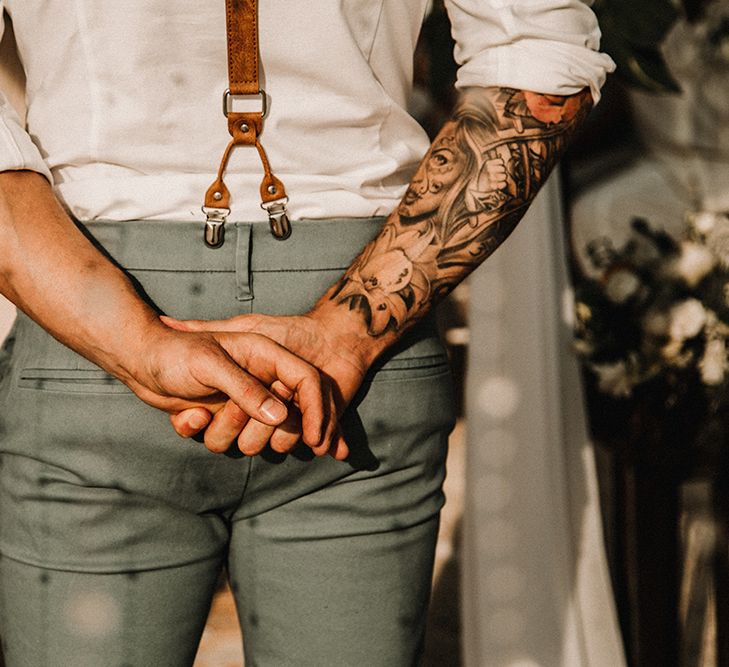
124	98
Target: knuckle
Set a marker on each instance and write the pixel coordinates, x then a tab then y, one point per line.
235	416
312	376
251	390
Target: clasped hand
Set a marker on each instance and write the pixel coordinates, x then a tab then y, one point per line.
255	380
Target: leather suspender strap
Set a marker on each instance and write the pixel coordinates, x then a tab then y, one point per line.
242	26
245	128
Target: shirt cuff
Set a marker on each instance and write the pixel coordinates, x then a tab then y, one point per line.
538	65
17	150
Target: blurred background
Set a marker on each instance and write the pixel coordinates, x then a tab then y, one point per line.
587	489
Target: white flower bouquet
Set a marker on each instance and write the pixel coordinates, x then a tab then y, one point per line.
657	309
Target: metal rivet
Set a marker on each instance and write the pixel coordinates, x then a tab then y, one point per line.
271	189
244	127
217	196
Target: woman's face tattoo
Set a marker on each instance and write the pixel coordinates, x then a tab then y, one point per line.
441	168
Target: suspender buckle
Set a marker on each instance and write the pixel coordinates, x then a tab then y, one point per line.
278	218
227	95
214	225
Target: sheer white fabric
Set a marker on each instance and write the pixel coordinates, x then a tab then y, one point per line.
535	581
681	165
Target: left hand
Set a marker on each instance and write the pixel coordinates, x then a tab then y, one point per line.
342	368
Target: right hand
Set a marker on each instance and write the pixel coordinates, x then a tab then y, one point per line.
181	370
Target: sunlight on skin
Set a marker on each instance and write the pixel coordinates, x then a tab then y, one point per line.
469	192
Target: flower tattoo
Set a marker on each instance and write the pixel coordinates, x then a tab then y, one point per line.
390	279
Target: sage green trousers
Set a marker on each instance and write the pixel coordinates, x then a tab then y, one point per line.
113	530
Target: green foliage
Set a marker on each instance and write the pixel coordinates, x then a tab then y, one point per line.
632	31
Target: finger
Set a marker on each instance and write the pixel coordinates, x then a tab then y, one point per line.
225	373
320	450
254	437
269	362
225	427
280	390
239	323
339	449
330	426
327	446
190	422
287	435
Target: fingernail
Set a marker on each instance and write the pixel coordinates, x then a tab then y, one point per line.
273	410
197	422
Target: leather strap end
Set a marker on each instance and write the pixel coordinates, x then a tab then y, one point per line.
217	195
245	128
271	189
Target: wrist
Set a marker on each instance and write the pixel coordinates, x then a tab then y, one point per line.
346	331
146	337
128	352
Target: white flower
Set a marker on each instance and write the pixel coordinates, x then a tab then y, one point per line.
693	263
717	240
671	351
621	284
583	312
614	378
713	363
703	221
686	319
582	347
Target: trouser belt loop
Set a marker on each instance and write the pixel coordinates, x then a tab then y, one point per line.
243	283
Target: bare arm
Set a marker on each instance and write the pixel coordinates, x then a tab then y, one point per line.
471	189
54	274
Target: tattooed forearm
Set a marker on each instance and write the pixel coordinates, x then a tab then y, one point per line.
479	176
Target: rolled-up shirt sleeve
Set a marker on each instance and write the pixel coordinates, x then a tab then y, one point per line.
17	150
547	46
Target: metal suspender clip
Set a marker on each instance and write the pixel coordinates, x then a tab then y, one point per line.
214	225
278	219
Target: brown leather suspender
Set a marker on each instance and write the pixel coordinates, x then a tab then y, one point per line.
244	128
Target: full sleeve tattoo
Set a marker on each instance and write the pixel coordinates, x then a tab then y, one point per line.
473	186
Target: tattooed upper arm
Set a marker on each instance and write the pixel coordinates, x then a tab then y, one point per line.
473	186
